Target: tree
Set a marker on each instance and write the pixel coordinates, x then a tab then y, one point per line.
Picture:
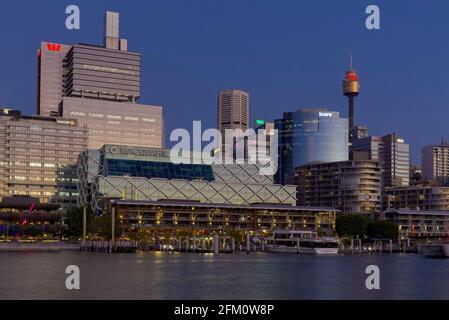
102	226
238	235
352	225
382	229
33	230
74	221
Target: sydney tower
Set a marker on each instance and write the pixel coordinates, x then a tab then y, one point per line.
351	89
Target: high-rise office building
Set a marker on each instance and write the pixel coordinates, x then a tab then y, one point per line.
233	113
122	123
88	71
351	186
102	73
393	154
51	77
38	156
435	163
99	86
310	136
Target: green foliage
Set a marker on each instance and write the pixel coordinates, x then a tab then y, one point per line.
238	235
382	229
74	221
352	225
102	226
32	230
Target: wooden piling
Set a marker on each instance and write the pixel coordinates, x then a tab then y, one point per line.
216	244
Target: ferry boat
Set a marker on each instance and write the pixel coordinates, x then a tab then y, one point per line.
436	249
305	242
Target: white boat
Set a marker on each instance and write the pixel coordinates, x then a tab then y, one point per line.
305	242
439	250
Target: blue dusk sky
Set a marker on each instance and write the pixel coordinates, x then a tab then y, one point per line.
287	54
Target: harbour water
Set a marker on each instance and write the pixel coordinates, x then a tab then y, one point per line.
157	275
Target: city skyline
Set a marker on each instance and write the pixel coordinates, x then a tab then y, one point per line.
293	150
292	69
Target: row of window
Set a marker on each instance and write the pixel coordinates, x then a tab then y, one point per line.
43	193
47	130
110	116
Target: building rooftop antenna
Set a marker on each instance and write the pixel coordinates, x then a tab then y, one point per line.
350	60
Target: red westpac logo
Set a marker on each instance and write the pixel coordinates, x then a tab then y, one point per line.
53	46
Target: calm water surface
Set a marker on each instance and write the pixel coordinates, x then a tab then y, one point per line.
239	276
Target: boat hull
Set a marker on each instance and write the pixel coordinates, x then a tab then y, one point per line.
319	251
439	250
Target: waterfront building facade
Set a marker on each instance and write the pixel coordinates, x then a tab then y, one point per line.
417	224
311	136
24	216
418	197
199	217
435	163
148	174
349	186
392	152
38	157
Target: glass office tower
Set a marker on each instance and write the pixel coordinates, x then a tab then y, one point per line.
319	135
311	136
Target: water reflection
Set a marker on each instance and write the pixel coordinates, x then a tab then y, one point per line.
206	276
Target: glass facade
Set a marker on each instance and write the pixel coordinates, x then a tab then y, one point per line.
167	170
319	135
285	147
310	136
138	173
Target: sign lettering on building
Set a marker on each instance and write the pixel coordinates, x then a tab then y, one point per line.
134	151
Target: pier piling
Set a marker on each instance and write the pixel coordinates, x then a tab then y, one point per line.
216	244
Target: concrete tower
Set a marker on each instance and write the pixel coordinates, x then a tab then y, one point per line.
351	89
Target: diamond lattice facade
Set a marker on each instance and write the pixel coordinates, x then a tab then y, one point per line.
135	173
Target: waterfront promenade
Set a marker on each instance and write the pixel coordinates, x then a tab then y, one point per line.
38	246
215	245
